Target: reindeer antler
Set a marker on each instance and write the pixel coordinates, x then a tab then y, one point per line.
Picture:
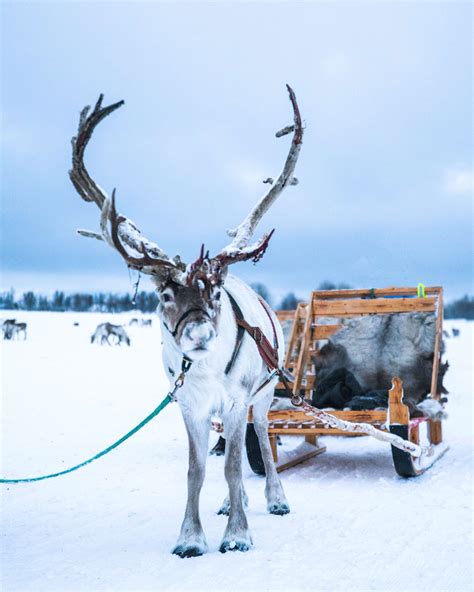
238	249
82	181
123	232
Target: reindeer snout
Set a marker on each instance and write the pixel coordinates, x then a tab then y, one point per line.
198	336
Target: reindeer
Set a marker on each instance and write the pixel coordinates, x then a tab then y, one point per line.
7	325
12	329
105	330
201	308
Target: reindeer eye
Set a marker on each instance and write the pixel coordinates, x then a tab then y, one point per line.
166	298
218	296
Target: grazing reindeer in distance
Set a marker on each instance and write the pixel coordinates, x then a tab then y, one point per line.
201	308
100	335
7	325
105	330
12	329
140	322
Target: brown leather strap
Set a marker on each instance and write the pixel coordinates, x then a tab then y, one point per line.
268	353
265	307
240	332
266	350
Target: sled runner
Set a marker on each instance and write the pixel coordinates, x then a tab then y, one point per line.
313	324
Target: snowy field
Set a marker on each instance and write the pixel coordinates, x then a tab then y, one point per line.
354	525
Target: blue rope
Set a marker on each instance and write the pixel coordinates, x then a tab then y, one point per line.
161	406
185	367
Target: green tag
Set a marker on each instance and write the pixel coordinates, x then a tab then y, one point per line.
421	291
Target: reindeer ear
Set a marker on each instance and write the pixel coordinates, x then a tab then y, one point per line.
223	274
159	280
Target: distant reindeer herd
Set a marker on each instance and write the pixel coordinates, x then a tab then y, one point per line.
104	334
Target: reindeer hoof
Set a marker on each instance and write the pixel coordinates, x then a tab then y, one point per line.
185	552
235	545
279	509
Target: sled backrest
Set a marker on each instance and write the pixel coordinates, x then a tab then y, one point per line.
327	306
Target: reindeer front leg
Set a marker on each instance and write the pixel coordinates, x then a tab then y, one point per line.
192	541
237	536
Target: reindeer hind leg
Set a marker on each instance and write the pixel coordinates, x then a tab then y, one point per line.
276	499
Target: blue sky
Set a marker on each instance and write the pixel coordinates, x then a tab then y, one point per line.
386	171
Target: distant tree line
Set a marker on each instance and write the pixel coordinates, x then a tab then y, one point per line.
79	302
463	308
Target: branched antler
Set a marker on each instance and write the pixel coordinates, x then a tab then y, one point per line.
123	234
82	181
140	253
238	249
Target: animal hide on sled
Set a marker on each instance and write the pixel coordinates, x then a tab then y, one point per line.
356	366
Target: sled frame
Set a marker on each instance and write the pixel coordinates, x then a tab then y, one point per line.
313	324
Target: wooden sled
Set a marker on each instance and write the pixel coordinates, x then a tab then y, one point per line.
309	334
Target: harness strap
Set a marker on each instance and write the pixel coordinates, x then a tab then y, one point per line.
266	350
268	353
265	307
240	332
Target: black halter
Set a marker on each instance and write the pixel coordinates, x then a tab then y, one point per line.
184	316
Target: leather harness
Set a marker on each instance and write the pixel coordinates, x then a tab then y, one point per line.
267	351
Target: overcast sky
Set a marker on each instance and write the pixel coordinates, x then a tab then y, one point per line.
385	89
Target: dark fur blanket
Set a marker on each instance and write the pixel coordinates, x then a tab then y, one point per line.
369	351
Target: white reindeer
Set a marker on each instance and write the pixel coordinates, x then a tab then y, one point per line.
199	308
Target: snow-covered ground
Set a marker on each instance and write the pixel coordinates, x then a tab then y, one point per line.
354	525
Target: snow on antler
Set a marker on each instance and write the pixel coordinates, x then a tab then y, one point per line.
117	230
244	232
144	255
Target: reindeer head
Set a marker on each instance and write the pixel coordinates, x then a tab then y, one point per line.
189	295
191	315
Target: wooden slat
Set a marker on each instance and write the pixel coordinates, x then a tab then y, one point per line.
414	434
375	306
294	343
435	430
370	416
303	352
312	431
273	446
285	315
399	413
391	291
437	350
324	331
